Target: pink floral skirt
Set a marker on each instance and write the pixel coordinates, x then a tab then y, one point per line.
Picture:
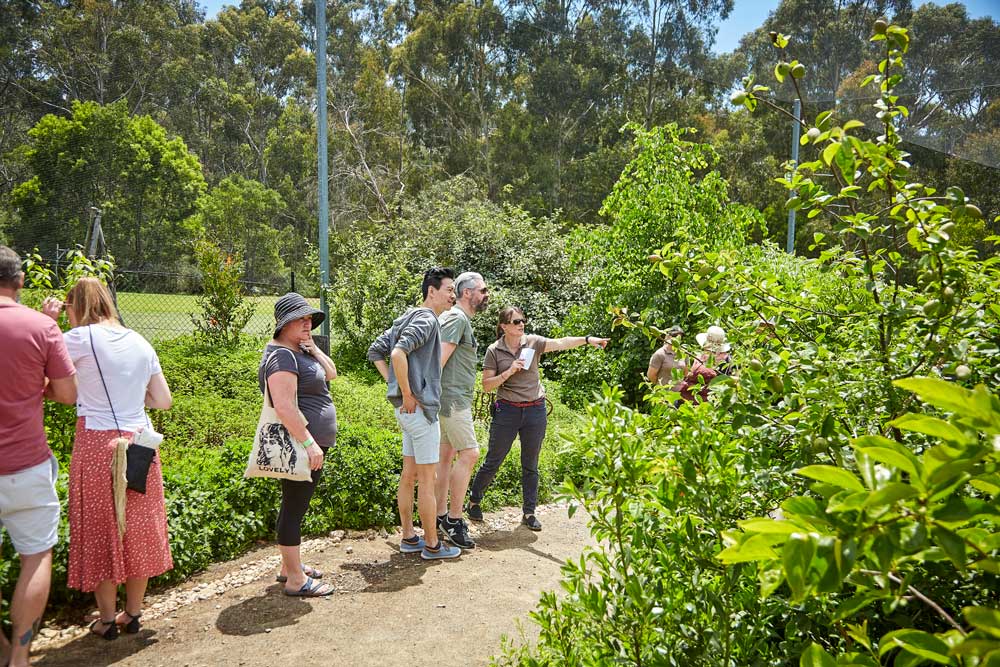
96	553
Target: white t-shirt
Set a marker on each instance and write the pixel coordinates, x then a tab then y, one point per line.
127	361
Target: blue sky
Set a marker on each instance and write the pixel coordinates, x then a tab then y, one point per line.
746	16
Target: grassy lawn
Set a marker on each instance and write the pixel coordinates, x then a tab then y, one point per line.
159	316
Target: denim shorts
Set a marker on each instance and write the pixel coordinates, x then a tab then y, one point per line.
421	438
29	508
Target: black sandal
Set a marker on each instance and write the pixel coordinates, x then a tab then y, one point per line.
133	625
109	634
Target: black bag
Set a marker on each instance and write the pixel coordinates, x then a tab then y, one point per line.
137	462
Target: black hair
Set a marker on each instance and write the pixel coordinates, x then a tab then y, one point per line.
434	276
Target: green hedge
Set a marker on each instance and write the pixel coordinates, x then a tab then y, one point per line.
214	514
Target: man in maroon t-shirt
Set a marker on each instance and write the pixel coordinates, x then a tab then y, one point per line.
34	364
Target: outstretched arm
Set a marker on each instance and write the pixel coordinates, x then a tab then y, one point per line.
569	342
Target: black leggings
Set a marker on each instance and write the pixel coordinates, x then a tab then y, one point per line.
295	497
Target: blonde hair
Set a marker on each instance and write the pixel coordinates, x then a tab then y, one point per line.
91	302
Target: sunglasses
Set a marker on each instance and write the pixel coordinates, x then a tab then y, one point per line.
518	321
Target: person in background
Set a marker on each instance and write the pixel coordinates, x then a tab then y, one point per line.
120	376
34	366
296	375
413	346
713	360
664	361
520	406
459	359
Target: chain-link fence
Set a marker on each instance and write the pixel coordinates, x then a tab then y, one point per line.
161	304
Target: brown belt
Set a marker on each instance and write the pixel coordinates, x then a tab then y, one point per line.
523	404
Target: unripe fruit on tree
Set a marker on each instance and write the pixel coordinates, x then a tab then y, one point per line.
881	26
799	71
947	227
973	211
932	307
755	365
775	383
962	372
653	259
783	68
820	444
738	98
813	133
948	293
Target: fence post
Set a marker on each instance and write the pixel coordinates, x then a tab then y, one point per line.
790	242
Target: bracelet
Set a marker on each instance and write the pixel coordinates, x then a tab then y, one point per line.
308	442
586	339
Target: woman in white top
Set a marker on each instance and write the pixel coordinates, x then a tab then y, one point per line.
119	377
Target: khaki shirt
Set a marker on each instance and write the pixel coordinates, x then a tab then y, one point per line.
458	377
525	385
663	362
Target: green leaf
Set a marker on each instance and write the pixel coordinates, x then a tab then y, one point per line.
890	493
893	457
952	544
829	152
796	558
815	656
917	642
762	525
832	475
948	396
851	124
984	618
755	547
928	425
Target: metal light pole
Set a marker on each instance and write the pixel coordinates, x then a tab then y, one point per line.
797	111
322	177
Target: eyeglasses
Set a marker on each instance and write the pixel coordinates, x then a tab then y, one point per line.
518	321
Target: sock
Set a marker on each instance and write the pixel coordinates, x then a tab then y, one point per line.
412	540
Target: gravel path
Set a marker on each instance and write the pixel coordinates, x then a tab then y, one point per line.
389	608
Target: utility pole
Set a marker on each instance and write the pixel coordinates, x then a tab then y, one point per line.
797	111
322	177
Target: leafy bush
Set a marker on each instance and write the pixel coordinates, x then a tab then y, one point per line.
668	193
377	271
224	311
891	552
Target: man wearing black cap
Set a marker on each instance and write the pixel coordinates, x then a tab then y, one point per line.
413	344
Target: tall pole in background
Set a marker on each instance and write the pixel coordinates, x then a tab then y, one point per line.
797	110
322	185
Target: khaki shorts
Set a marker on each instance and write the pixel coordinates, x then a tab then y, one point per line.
29	508
457	430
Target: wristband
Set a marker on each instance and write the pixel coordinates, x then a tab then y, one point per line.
308	442
586	339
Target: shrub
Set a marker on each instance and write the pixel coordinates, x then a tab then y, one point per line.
889	550
378	270
224	311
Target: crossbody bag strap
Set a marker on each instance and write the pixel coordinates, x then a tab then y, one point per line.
93	350
267	389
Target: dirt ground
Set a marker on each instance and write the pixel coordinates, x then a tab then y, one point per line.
389	608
